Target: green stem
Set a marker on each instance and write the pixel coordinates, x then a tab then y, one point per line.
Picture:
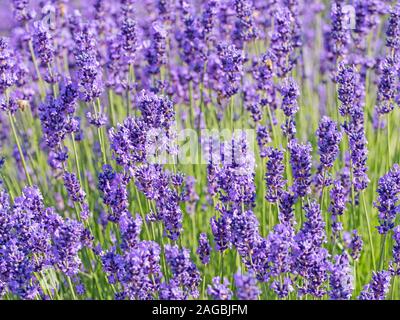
28	177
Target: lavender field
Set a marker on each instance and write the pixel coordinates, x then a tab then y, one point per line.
188	149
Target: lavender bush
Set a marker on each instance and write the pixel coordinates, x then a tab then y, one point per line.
187	149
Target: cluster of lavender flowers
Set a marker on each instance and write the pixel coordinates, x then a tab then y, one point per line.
98	200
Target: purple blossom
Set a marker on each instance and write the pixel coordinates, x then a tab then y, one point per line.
329	138
387	86
184	271
386	203
341	279
221	229
88	66
246	286
274	176
300	159
204	249
73	187
219	290
393	30
378	288
7	76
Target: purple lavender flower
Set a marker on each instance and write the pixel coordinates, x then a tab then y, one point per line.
283	40
388	189
138	270
396	246
282	289
349	89
328	141
221	229
156	48
183	269
339	33
290	93
113	187
246	286
338	204
130	230
378	288
393	30
310	258
171	291
204	249
244	231
208	17
67	244
245	28
286	211
263	139
88	73
43	44
128	36
355	245
231	63
21	11
341	279
279	246
274	176
75	192
219	290
300	159
7	76
387	86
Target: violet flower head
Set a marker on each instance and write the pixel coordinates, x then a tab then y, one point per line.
378	288
283	40
155	52
73	186
339	33
219	290
88	73
130	230
208	17
396	251
246	286
274	176
393	30
204	249
300	160
386	203
21	11
245	28
337	205
341	279
349	90
156	111
263	139
286	210
329	138
113	187
290	93
244	231
183	269
231	60
129	38
279	248
7	76
221	229
355	245
43	44
387	86
311	260
282	289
